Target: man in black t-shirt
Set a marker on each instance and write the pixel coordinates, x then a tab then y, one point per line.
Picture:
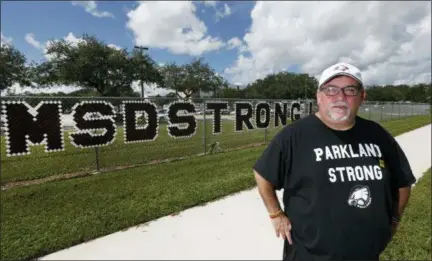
346	180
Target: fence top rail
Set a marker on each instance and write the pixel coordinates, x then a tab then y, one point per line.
26	97
147	98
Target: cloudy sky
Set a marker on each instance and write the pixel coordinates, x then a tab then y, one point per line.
389	41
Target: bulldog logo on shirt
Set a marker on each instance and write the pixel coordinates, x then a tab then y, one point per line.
360	197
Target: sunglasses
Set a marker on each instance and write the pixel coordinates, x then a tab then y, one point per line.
334	90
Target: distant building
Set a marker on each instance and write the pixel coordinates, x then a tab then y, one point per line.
208	94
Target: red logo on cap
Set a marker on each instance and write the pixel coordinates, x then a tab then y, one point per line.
341	68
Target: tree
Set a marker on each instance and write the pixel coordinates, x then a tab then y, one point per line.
89	64
13	68
285	85
144	69
164	100
231	93
191	78
173	77
415	93
420	92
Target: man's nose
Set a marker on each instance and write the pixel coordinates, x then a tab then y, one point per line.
340	96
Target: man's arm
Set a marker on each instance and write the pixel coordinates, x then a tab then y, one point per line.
280	221
271	169
402	178
403	198
268	194
271	173
399	207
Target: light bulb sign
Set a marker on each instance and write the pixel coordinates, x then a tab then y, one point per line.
94	122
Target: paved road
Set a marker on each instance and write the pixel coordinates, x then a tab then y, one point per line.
233	228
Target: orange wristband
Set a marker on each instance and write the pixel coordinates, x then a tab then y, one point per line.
277	214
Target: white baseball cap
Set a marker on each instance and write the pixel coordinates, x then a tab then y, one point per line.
340	69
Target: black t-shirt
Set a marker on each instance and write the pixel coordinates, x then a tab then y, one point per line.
339	186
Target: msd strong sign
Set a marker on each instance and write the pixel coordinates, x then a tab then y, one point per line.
94	122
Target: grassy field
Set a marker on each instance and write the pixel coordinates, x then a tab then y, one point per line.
40	164
413	238
41	219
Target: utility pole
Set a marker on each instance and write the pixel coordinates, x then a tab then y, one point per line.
141	48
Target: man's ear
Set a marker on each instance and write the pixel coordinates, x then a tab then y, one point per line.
363	94
318	97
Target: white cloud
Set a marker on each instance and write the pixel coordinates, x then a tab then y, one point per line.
223	13
115	46
235	42
389	41
91	8
16	89
150	89
70	38
173	26
210	3
5	40
30	39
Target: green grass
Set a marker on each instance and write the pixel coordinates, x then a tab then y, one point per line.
384	116
413	238
397	127
40	164
41	219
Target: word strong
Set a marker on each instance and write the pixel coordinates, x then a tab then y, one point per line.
361	172
94	122
244	112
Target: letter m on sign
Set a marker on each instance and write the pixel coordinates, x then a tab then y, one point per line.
27	126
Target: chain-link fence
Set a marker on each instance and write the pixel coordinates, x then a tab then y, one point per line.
383	111
119	154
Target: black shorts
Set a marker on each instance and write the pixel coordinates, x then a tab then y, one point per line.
289	252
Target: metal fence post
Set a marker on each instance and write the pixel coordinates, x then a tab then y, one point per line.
370	110
204	140
97	150
391	114
381	108
265	130
399	114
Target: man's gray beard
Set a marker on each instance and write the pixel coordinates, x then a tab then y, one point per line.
343	118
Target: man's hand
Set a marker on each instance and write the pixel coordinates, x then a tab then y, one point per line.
282	227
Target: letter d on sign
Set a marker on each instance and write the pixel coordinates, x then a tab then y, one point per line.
133	133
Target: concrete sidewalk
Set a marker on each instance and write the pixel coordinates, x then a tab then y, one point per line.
236	227
417	146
